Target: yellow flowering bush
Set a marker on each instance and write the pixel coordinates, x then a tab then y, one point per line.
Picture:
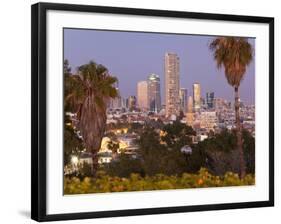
105	183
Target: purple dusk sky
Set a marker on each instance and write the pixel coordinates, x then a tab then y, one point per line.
132	56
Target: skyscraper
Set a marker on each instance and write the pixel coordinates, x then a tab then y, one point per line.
189	114
196	96
172	84
154	98
116	102
132	103
183	100
142	95
190	105
210	96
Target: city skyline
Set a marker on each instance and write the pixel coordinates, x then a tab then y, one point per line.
195	67
161	108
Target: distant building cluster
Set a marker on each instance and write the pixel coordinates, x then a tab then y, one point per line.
205	114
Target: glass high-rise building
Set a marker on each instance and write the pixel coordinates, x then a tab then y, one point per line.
154	97
190	105
116	102
196	96
189	114
142	95
210	96
132	101
183	100
172	84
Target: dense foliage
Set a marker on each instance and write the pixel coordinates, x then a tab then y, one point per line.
72	144
135	182
222	155
162	153
177	134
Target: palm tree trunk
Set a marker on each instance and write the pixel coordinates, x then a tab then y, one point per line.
239	134
92	125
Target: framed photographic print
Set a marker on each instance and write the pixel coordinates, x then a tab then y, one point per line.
140	111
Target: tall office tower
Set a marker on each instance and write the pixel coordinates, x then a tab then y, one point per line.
210	96
183	100
117	101
196	96
190	105
189	114
172	84
142	95
154	98
123	103
202	102
132	101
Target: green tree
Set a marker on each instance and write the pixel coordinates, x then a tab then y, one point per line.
66	67
113	146
196	160
220	154
135	127
177	135
148	141
249	151
89	92
124	166
72	144
234	54
162	154
67	84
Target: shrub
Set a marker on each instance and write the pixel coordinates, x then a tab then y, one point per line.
135	182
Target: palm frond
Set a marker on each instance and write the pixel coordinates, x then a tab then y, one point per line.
234	54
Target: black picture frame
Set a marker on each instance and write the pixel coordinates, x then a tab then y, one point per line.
39	122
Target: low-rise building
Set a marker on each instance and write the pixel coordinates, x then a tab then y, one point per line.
208	120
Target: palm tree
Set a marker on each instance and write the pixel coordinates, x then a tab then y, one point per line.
88	94
234	54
